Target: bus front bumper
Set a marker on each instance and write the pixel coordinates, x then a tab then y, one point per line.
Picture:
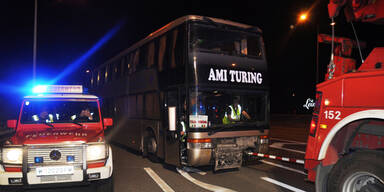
199	157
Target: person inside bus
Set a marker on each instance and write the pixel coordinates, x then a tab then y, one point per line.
234	112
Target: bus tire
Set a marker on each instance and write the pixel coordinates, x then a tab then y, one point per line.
151	148
105	185
358	171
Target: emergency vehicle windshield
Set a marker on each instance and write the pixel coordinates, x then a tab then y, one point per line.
210	109
54	111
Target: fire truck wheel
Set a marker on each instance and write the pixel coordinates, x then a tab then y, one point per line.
360	171
105	185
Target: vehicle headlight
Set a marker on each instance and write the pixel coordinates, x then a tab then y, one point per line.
96	152
12	155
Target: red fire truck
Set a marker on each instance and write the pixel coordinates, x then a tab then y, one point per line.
58	141
346	139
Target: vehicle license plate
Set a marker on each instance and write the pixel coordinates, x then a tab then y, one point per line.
57	170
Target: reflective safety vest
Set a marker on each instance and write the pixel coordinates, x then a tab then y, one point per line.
235	115
183	130
50	120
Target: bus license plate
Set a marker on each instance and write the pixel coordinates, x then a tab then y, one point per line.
57	170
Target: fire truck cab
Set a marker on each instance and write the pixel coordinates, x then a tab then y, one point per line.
58	141
346	137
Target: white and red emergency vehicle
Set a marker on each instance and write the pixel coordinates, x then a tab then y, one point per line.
58	141
346	138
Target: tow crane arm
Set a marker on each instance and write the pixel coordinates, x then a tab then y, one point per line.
371	11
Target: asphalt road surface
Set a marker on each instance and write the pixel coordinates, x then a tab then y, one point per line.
132	172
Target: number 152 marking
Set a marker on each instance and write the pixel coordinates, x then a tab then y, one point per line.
332	114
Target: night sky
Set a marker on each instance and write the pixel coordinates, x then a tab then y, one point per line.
67	29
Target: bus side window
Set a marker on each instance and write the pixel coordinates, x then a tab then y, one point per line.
116	69
122	66
180	46
143	58
172	59
140	106
102	76
92	79
136	60
106	74
151	54
162	48
149	98
132	106
127	64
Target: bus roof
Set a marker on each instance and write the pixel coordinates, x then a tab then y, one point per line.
173	24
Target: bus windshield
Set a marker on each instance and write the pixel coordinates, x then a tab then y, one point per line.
217	108
53	111
223	41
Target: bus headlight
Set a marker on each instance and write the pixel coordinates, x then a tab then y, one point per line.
96	152
12	155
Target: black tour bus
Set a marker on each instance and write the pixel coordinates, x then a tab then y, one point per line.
172	94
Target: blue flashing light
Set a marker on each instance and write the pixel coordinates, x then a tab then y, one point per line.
40	89
70	158
39	160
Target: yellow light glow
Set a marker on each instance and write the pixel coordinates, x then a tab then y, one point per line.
323	126
303	17
326	102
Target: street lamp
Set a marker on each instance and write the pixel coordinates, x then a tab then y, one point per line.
35	43
303	17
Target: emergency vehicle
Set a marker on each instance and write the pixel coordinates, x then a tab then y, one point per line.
58	141
346	138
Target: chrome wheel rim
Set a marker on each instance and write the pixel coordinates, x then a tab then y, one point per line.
362	180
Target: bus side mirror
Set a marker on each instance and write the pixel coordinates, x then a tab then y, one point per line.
107	122
11	124
172	118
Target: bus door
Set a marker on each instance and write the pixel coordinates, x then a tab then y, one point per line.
172	127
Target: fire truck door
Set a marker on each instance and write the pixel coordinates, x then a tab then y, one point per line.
172	129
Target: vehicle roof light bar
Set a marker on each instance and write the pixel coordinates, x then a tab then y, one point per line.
57	89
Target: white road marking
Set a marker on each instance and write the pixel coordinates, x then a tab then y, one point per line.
280	146
206	186
162	184
281	184
283	167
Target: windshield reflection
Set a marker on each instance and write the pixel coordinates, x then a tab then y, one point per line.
225	108
43	111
